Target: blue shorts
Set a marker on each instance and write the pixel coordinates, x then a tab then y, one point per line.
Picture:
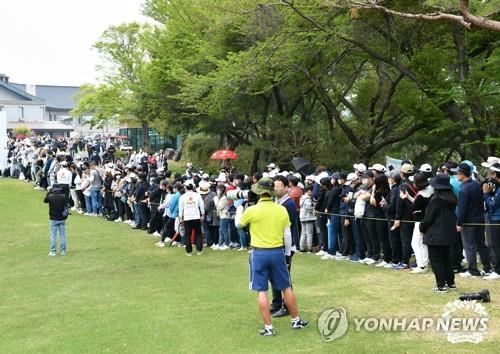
268	265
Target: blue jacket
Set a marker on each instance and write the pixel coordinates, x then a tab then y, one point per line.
492	202
173	205
470	203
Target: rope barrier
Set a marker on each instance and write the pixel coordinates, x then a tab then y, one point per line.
392	220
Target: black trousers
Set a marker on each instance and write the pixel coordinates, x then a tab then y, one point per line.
456	253
439	257
348	241
321	221
277	302
189	226
168	229
406	233
371	239
154	219
494	243
396	245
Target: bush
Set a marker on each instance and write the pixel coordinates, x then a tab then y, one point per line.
21	131
198	148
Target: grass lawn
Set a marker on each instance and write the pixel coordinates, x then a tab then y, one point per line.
116	292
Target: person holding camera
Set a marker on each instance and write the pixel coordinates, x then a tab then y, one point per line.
271	240
58	213
491	193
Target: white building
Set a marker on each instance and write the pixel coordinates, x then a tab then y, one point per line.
45	109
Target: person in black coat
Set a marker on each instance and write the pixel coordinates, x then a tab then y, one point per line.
439	229
57	215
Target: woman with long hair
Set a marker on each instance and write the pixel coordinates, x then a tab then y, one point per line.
439	229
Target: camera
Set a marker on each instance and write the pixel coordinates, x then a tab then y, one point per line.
245	194
491	182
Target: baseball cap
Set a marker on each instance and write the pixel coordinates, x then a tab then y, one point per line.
361	167
425	168
377	167
264	185
407	168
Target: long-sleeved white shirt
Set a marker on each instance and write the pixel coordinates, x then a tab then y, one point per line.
191	206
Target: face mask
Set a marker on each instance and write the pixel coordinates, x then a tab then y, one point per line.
364	181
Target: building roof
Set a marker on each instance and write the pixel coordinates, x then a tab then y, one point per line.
59	97
20	93
41	126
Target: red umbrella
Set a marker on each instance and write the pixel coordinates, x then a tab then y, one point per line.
224	155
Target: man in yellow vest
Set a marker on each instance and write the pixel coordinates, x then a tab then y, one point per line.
269	226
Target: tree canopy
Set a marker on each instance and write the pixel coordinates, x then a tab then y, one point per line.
329	80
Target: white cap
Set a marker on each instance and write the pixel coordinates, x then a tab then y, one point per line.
205	176
133	175
310	178
351	177
64	163
297	175
222	178
319	177
271	165
377	167
189	182
425	168
361	167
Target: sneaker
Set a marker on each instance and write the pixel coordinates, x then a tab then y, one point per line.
370	261
419	270
168	239
341	258
223	247
381	264
486	273
451	287
328	256
63	253
492	276
189	254
282	312
118	220
52	254
156	234
242	249
215	247
466	274
320	253
354	259
439	290
389	265
160	244
199	253
175	243
267	332
300	324
399	266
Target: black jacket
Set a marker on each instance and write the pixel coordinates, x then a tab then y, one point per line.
439	224
322	202
57	205
333	199
392	199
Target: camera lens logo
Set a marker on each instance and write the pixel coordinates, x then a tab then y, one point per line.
333	324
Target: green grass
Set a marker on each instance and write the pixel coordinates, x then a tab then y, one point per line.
115	292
